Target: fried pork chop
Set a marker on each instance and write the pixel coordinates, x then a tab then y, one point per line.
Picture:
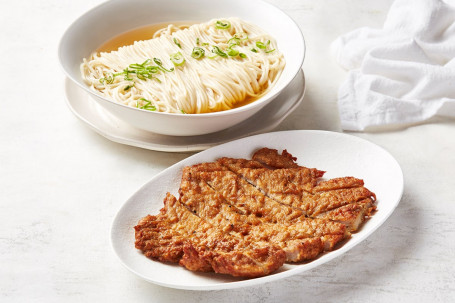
177	235
300	237
344	199
247	217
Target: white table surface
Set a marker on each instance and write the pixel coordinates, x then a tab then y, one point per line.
61	184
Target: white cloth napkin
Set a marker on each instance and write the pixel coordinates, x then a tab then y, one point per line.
403	73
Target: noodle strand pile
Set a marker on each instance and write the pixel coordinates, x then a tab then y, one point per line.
199	85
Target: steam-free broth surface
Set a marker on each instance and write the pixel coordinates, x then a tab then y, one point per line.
138	34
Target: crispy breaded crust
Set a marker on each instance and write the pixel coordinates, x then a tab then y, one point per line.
299	187
202	246
296	236
272	159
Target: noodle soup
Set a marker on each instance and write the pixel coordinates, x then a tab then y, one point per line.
186	69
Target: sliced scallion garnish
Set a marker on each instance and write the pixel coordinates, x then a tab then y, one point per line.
128	87
126	72
260	45
242	55
147	106
160	65
219	52
232	52
143	71
233	42
198	53
264	46
241	36
177	43
237	39
109	79
177	59
254	50
222	24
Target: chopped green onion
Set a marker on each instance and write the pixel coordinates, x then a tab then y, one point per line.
254	50
197	41
147	106
232	52
158	61
153	69
142	71
137	65
198	53
264	46
109	79
241	36
205	44
128	87
160	64
233	41
260	45
177	43
237	38
242	55
177	59
182	111
219	52
222	24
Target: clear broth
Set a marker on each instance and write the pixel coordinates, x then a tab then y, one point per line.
138	34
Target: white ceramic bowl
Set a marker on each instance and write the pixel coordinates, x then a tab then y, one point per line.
117	16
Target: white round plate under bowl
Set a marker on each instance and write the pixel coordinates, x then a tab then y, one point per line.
114	129
336	153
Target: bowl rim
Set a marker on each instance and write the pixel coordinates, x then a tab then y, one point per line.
232	111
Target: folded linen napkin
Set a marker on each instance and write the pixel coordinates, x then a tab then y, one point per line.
403	73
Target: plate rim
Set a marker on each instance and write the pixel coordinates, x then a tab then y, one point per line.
280	275
186	148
